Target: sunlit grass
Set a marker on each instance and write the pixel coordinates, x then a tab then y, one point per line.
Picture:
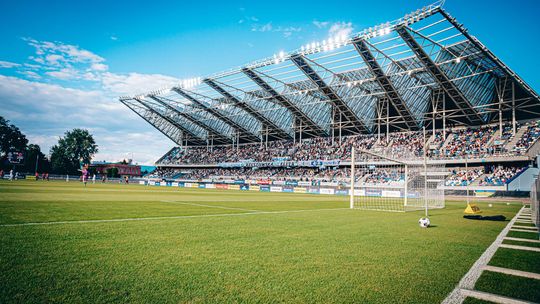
327	254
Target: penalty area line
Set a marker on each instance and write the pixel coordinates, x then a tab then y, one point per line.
168	217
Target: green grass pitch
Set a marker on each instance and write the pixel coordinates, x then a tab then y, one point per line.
135	244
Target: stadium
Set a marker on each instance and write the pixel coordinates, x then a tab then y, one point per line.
292	119
301	178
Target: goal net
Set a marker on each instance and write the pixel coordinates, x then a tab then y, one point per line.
382	182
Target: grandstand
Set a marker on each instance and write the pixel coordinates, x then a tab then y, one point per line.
292	119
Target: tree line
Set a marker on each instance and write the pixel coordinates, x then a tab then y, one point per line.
76	147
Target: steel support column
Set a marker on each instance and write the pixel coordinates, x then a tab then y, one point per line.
342	108
384	81
244	106
472	115
214	112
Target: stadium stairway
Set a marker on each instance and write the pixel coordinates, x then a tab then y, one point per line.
494	136
534	149
429	140
476	181
521	223
449	137
513	140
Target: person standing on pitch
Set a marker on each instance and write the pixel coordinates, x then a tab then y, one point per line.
11	174
85	175
94	178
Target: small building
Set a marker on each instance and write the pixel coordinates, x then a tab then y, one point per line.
116	169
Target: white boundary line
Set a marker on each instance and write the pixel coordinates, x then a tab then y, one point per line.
457	296
492	298
524	230
519	273
168	217
522	240
517	247
211	206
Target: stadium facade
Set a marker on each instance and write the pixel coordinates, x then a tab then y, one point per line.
424	70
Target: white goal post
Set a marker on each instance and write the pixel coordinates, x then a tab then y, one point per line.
380	182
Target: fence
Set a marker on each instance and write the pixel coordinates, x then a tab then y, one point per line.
535	202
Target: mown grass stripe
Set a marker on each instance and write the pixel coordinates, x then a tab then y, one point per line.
211	206
167	217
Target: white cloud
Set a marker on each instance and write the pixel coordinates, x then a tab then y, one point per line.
57	51
262	28
268	27
320	24
135	83
32	66
8	65
99	67
289	31
114	38
37	59
45	111
30	74
64	74
340	29
54	59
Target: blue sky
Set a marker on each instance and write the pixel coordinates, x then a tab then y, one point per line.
63	63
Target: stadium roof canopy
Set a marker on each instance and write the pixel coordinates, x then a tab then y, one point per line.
423	69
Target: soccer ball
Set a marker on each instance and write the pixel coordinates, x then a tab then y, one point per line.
490	205
424	222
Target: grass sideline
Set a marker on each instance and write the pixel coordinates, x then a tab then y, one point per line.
331	255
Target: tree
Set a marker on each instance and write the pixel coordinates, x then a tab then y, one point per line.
33	154
76	147
11	139
112	172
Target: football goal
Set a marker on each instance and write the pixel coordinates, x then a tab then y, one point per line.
382	182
